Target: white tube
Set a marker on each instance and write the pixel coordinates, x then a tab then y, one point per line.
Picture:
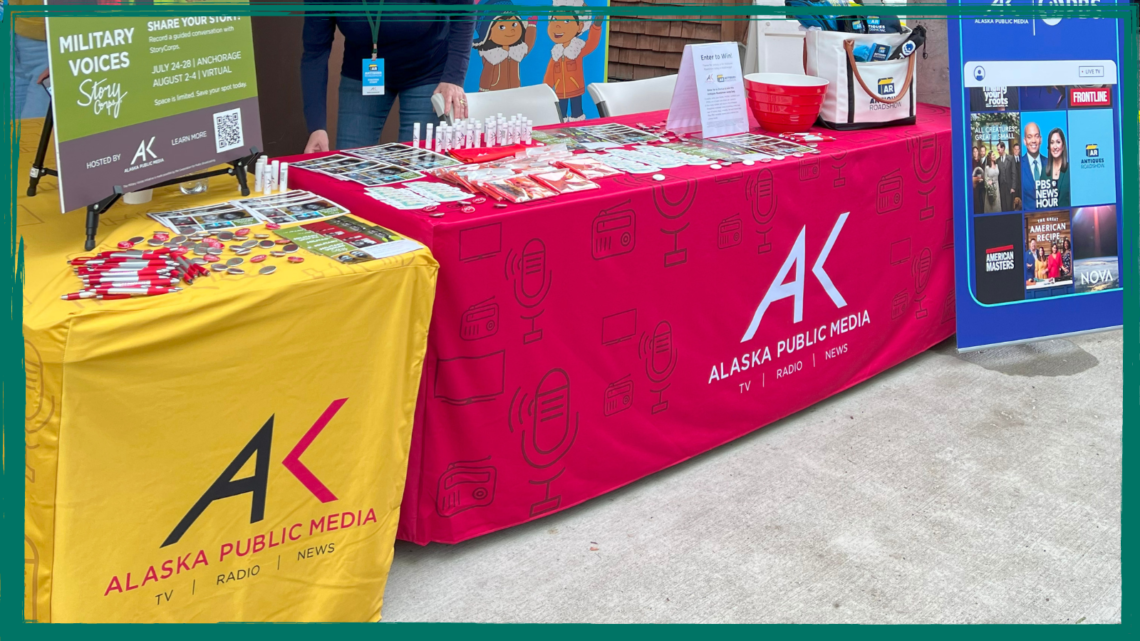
283	178
416	135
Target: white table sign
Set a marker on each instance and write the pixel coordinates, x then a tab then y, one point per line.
710	93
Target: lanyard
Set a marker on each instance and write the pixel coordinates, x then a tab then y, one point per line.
374	22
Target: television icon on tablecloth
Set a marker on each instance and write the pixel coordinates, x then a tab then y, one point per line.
465	485
729	232
480	320
613	232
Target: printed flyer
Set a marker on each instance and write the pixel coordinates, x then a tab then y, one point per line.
142	99
348	240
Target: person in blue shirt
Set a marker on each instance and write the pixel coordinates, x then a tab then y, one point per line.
1030	262
423	55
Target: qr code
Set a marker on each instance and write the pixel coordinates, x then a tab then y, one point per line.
227	130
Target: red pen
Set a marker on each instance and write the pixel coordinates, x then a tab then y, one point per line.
145	271
152	291
106	262
113	297
137	255
78	295
123	275
129	279
150	282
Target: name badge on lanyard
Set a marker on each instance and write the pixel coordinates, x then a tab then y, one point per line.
372	76
372	72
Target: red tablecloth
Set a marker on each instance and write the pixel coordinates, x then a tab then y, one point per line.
581	343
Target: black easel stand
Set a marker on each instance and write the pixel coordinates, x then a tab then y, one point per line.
237	169
38	169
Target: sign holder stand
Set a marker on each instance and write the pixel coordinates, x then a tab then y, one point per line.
238	169
38	169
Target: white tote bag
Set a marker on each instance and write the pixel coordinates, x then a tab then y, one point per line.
861	95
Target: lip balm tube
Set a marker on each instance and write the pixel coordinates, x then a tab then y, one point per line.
439	139
416	135
283	180
274	170
429	136
529	131
259	174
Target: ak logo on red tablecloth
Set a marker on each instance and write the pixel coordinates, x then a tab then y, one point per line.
226	487
797	258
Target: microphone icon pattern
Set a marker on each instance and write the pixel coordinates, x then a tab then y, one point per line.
926	160
672	206
760	190
921	269
547	428
660	355
532	280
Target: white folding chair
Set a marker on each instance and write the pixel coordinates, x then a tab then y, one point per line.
536	102
632	97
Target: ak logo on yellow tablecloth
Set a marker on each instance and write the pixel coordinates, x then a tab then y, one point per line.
258	448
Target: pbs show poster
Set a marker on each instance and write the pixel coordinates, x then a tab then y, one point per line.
1043	186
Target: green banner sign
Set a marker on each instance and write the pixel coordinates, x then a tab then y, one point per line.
143	99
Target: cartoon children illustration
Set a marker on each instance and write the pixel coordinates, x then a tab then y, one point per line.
502	42
564	72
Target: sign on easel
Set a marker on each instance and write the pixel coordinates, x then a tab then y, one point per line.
709	96
138	100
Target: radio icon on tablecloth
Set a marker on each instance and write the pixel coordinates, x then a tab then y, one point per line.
480	320
889	196
613	232
618	396
465	485
729	232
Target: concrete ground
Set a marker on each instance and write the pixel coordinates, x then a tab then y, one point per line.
983	488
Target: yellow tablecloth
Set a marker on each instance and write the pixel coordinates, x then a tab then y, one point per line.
232	452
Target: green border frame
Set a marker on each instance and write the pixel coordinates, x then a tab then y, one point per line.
12	622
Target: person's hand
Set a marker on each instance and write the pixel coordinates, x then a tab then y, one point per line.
532	21
454	100
318	141
43	76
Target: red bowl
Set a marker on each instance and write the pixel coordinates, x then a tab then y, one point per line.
786	123
784	99
789	119
786	84
785	102
769	108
